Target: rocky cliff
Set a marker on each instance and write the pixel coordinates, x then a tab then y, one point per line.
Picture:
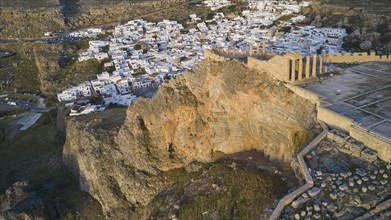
220	107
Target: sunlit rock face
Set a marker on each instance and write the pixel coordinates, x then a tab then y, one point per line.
218	107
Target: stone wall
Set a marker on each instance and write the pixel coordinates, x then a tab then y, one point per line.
278	66
232	52
376	142
286	200
356	58
304	93
208	54
334	120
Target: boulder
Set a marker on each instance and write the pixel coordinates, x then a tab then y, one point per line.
366	45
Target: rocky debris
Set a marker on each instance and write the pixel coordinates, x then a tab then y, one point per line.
359	184
355	147
369	155
338	137
20	202
349	146
314	192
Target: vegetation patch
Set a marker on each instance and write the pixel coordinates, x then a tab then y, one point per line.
35	155
225	189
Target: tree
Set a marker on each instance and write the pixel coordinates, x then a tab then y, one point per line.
137	47
106	49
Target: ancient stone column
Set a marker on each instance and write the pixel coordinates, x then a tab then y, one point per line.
307	66
314	60
300	68
258	49
293	75
251	50
325	69
264	48
321	65
324	56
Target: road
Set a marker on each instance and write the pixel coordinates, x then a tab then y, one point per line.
65	38
40	107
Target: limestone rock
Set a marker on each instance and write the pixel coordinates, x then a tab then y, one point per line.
218	107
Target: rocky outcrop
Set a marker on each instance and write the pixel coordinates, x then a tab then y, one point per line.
30	21
220	107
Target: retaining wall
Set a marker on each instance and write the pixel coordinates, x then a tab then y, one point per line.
286	200
305	93
334	120
376	142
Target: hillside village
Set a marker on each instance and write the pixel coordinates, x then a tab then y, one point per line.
144	54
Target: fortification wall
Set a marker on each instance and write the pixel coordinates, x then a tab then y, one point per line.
334	120
356	58
208	54
278	66
372	140
304	93
233	52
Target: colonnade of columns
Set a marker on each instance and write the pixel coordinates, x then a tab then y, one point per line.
258	49
300	70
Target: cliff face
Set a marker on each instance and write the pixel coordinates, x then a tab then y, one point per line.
219	107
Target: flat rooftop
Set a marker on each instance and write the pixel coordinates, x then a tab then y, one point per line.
362	93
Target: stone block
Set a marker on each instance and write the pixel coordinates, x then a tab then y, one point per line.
369	155
314	192
299	201
338	137
355	147
333	195
343	187
344	150
341	194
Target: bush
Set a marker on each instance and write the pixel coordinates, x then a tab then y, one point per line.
137	47
106	48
